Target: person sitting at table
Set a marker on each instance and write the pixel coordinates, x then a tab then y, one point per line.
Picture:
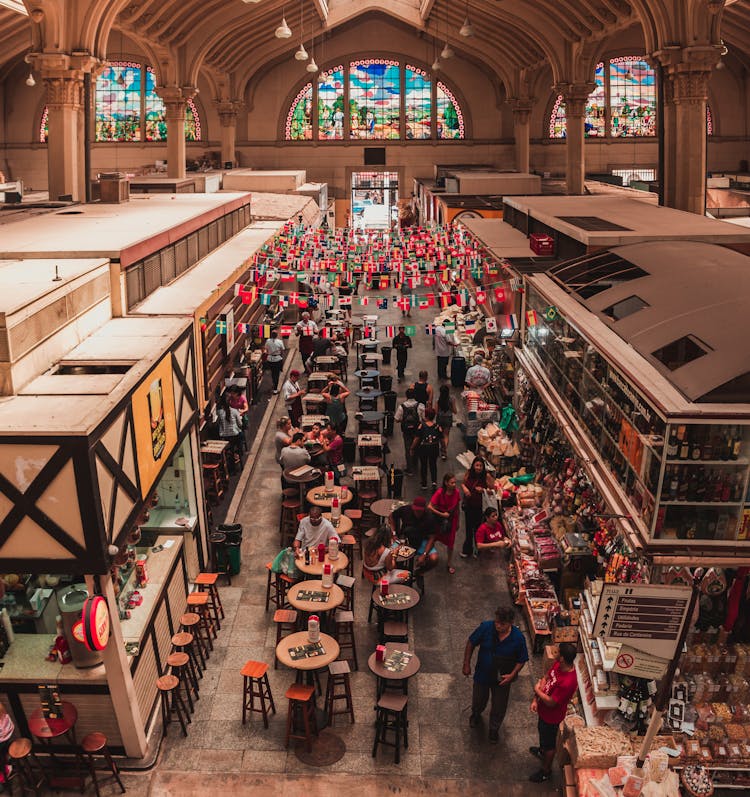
491	533
415	524
335	397
313	530
314	435
237	399
7	729
295	455
283	436
321	348
333	445
379	562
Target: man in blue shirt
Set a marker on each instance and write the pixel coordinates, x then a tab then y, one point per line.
502	654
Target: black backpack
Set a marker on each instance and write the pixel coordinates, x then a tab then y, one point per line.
410	418
429	436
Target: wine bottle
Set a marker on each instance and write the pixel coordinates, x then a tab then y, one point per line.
682	489
673	483
672	444
684	444
736	443
695	448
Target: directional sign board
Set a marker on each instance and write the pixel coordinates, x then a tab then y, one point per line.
646	617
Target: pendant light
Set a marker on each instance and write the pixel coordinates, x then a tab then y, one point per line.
447	51
283	31
435	64
312	67
301	54
466	30
30	82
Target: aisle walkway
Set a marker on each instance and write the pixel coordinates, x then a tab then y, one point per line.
445	756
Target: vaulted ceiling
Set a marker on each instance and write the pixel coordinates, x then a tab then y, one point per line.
232	40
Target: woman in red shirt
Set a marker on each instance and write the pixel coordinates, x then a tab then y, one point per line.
444	504
491	533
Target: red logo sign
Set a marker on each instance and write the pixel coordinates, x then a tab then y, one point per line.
95	623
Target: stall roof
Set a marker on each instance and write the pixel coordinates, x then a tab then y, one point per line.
615	220
471	201
284	207
680	307
22	282
195	288
75	404
101	230
502	239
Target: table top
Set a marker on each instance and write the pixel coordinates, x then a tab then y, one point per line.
368	342
311	418
326	501
367	373
315	568
369	440
412	668
397	607
319	376
385	507
44	728
366	473
313	474
369	393
313	607
326	359
330	645
370	416
316	398
343	525
371	318
214	446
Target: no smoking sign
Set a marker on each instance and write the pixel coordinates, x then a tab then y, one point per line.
625	661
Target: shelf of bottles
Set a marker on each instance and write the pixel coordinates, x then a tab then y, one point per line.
686	480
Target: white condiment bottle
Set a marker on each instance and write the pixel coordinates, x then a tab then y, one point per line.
333	548
327	576
313	628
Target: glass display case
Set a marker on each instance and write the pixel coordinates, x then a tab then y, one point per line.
686	478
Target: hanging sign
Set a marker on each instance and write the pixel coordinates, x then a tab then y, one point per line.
633	662
95	623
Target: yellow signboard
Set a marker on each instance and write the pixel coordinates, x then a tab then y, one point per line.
154	422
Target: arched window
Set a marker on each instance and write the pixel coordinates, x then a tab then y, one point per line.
126	109
387	100
594	122
632	97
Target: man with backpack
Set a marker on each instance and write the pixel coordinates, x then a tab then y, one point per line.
409	414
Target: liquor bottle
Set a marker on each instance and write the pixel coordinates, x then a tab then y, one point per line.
684	444
682	489
672	445
673	482
726	489
736	443
695	448
726	444
701	486
719	487
708	449
692	485
739	485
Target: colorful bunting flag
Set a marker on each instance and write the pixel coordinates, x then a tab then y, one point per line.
429	329
490	325
481	297
550	314
285	331
390	331
221	327
410	331
382	304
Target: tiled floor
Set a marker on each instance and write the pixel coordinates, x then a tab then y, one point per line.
445	756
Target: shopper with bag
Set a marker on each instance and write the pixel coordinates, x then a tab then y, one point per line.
444	505
409	414
552	693
502	655
426	445
476	481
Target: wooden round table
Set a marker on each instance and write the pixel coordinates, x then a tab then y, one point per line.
324	498
330	645
315	568
414	596
343	525
312	475
47	729
336	597
385	507
384	677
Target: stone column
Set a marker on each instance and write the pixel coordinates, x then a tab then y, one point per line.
175	102
575	96
228	111
521	113
685	77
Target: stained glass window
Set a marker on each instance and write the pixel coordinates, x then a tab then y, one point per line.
118	102
632	91
594	121
450	119
709	121
331	104
299	119
375	99
417	103
156	121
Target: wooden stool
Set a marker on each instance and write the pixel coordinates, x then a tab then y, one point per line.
190	622
289	492
26	767
206	582
212	481
255	684
198	602
391	716
290	507
348	541
338	676
96	744
286	623
172	703
394	631
355	515
344	633
276	587
347	583
183	641
300	699
179	664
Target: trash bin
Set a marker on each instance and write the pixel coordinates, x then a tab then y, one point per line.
388	424
233	532
458	371
395	482
218	542
389	400
386	382
350	449
386	352
234	557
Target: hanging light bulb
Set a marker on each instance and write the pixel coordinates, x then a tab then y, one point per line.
301	54
30	80
435	65
447	51
312	66
466	30
283	31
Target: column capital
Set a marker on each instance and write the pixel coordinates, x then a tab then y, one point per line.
575	96
686	72
176	95
228	111
521	107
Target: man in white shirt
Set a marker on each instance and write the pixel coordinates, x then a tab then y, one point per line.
306	330
444	345
313	530
478	376
275	357
409	414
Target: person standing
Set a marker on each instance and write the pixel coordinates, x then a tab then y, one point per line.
502	655
426	445
444	345
335	398
444	504
230	429
292	393
491	533
475	482
423	390
401	343
409	414
552	693
306	330
275	358
478	376
446	409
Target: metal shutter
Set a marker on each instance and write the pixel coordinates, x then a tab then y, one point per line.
168	269
151	273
